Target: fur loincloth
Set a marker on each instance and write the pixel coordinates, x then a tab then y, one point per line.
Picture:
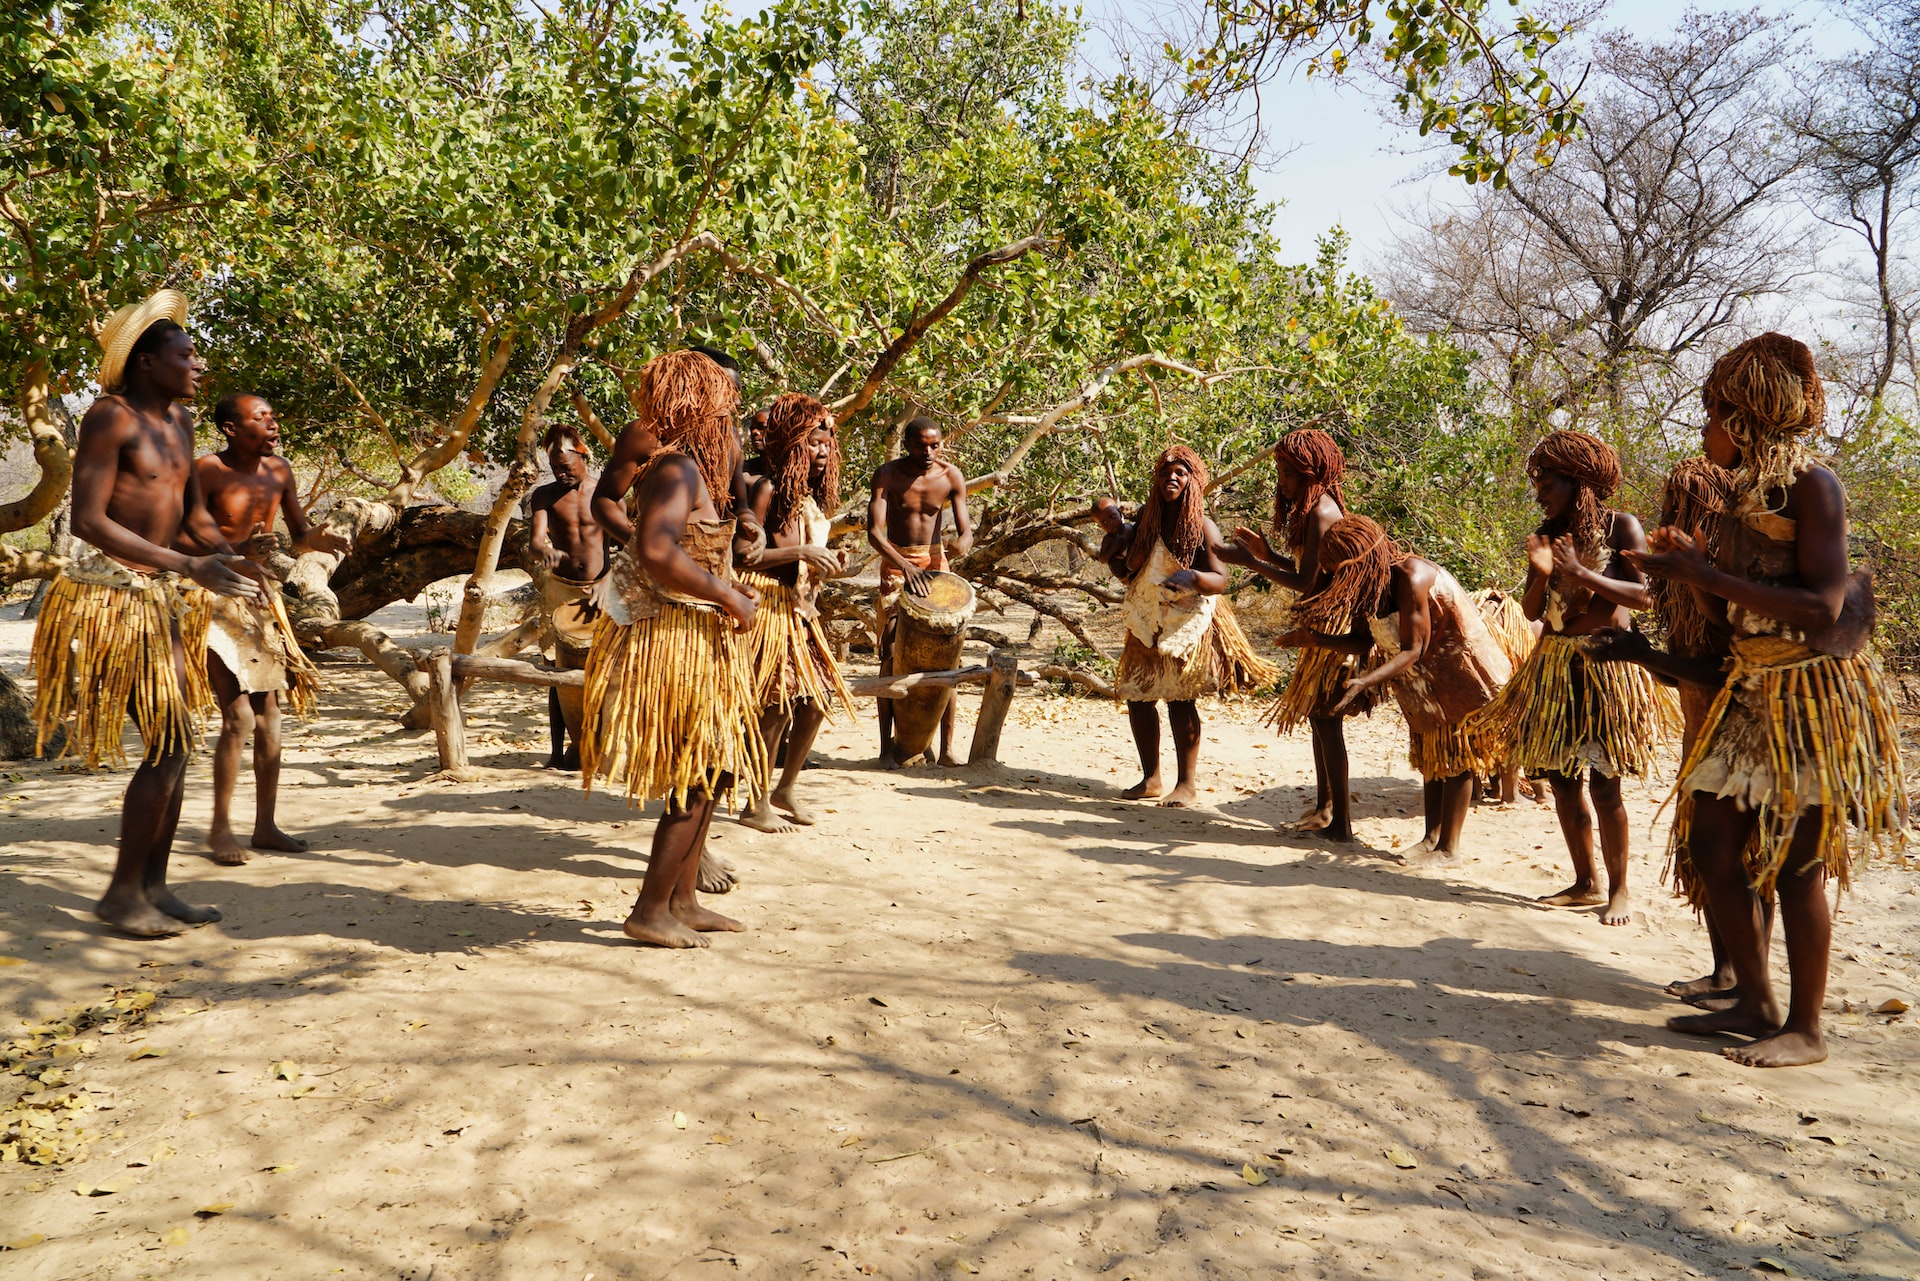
254	639
1561	714
103	649
1793	730
788	653
1224	662
669	698
567	619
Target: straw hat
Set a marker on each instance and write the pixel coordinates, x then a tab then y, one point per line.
124	327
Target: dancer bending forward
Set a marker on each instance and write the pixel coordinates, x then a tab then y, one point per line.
1439	660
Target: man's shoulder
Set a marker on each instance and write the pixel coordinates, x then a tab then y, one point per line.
1623	530
545	495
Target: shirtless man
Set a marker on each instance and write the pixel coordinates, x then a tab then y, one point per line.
756	464
903	525
570	545
251	658
134	493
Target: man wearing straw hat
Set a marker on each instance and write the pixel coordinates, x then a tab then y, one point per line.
119	632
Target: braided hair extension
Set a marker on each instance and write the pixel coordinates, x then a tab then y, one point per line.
1594	468
1697	495
1317	457
791	419
1769	395
689	400
1187	528
1358	558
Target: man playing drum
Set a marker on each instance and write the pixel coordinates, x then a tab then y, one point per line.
903	525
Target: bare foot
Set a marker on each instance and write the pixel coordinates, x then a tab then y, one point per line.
695	917
783	799
716	875
1782	1049
1618	911
170	903
137	917
1145	789
1180	797
1734	1022
1314	820
1575	895
1715	1000
1427	856
948	760
1708	985
888	759
1423	847
224	850
273	838
762	819
661	930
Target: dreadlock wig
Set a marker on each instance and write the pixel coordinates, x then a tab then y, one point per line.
1181	529
1358	558
689	402
1318	459
1769	395
791	419
1594	468
1695	497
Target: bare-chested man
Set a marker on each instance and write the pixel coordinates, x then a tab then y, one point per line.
903	525
670	707
570	545
109	641
251	653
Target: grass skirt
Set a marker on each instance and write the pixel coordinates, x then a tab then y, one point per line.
1464	748
670	709
103	650
1561	714
1224	662
789	655
1319	680
1793	730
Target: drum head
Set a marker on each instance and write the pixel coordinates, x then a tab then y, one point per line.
949	599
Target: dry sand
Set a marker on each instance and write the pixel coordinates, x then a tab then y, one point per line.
991	1023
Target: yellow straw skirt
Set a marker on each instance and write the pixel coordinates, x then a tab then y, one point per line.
1561	714
789	655
669	709
102	652
1319	680
1467	747
1794	730
1224	662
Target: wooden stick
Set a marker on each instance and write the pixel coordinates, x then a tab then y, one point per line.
472	667
443	702
1004	673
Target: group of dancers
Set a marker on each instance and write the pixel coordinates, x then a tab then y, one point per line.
683	582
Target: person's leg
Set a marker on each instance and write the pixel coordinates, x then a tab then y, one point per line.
1610	816
1454	799
1716	843
889	759
1144	720
1430	816
1509	784
266	777
236	722
807	718
760	815
556	731
1808	925
1336	818
1183	718
947	720
1322	812
1576	825
676	848
1718	988
685	901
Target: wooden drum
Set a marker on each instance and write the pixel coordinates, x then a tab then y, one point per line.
927	638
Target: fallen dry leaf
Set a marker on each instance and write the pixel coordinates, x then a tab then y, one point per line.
1252	1176
1892	1006
209	1211
174	1236
286	1070
679	1120
1401	1157
850	1140
147	1052
1767	1263
24	1243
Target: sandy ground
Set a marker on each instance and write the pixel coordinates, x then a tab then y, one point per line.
990	1023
